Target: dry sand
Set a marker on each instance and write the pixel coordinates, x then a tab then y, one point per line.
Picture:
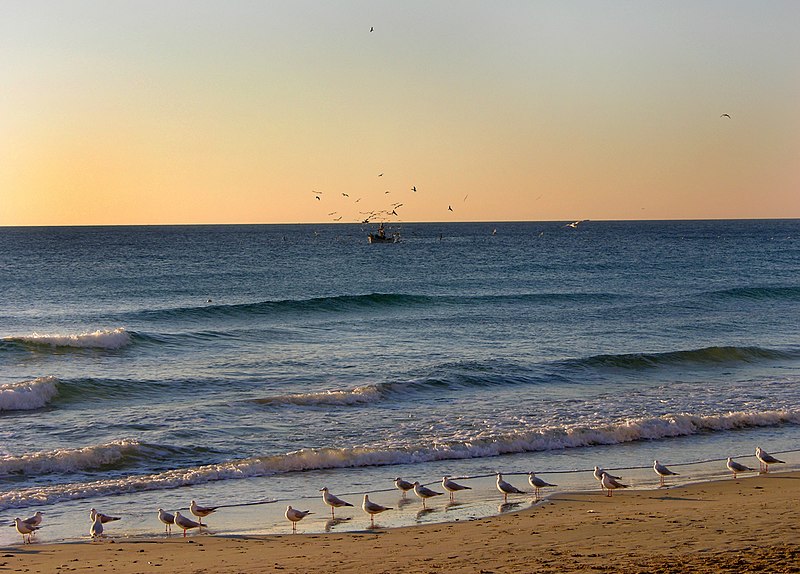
745	525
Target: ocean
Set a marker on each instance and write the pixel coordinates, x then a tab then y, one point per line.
247	367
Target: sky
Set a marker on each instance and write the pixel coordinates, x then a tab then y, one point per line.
120	112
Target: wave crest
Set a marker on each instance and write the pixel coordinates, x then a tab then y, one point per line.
68	459
487	445
28	395
100	339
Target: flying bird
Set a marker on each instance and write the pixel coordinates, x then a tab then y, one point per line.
344	194
726	116
380	175
318	199
450	208
414	189
371	29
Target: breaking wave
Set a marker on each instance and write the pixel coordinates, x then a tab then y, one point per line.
28	395
100	339
482	445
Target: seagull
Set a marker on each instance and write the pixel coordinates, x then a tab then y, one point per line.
185	522
372	29
765	459
507	488
414	188
332	501
167	518
598	474
403	485
201	511
453	487
380	175
104	518
24	528
96	530
318	199
735	467
373	508
424	493
296	516
726	116
610	483
450	208
662	471
34	520
537	483
346	195
574	224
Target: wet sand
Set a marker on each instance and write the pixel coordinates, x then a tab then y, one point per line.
745	525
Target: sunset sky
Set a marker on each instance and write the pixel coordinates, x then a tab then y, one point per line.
192	111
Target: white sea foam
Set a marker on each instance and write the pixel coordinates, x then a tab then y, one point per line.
28	395
358	395
542	439
68	459
100	339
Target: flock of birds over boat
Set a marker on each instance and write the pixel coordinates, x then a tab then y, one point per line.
608	484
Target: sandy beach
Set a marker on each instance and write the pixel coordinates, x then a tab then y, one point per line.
742	525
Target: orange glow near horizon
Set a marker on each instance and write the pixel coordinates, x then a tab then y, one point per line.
138	113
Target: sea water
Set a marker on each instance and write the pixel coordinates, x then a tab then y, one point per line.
247	367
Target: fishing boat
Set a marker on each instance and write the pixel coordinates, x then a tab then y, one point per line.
381	237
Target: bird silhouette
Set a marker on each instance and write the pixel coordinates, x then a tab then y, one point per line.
726	116
449	208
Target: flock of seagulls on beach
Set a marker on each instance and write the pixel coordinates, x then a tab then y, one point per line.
608	484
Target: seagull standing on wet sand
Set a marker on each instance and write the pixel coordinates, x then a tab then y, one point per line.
537	483
598	474
403	485
96	530
104	518
185	522
735	467
34	520
507	488
25	529
424	492
296	516
662	471
453	487
609	483
765	459
167	519
332	501
373	508
201	511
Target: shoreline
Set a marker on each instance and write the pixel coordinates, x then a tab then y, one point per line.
702	526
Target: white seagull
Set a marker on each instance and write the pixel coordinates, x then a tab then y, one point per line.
25	529
453	487
507	488
403	485
104	518
96	530
296	516
201	511
662	471
34	520
598	474
332	501
765	459
373	508
537	483
185	522
424	492
166	518
735	467
610	483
